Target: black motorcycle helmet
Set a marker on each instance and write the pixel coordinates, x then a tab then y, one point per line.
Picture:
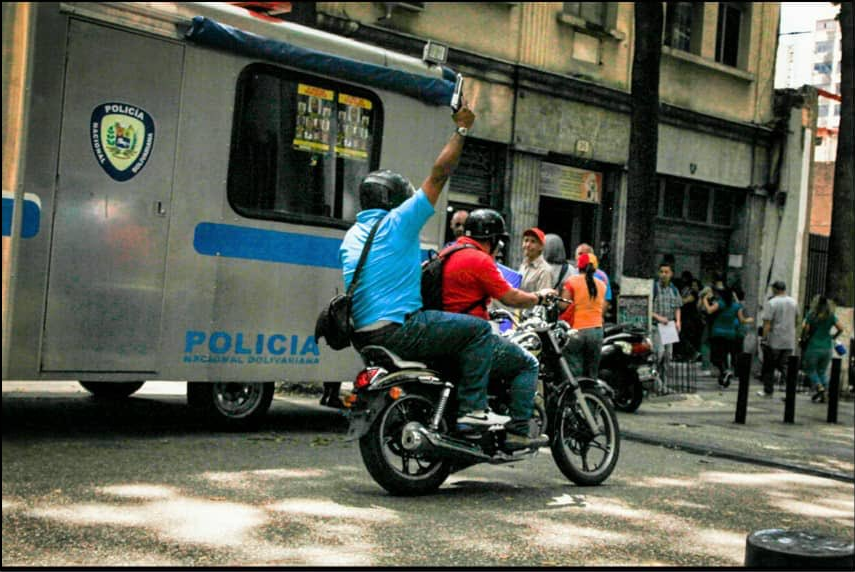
384	190
486	224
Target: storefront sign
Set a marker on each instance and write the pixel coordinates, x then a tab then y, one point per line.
570	183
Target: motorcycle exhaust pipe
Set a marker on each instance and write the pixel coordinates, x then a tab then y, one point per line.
417	438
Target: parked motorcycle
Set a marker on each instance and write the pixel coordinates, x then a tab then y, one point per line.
628	365
404	415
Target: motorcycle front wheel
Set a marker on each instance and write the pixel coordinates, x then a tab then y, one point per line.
393	467
585	457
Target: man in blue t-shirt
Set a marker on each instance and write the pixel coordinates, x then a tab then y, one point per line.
387	301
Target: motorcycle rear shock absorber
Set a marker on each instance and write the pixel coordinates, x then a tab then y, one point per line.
440	408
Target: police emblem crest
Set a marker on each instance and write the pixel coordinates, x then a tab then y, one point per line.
122	138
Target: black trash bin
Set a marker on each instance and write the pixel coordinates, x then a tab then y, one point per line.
797	549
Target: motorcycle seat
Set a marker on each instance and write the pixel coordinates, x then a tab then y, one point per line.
612	329
381	357
629	329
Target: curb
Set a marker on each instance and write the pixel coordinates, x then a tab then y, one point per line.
737	456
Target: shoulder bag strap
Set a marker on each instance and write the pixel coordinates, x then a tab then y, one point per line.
362	257
481	302
561	276
445	253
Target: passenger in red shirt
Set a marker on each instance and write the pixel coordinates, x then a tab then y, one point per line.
470	278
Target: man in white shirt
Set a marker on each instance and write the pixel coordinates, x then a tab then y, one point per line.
780	318
535	270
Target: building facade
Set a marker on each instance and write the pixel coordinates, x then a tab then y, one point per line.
814	58
826	70
549	82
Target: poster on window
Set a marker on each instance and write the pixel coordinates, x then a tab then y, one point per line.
354	127
570	183
314	118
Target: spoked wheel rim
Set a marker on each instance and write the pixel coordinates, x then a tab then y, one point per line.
237	399
591	453
406	464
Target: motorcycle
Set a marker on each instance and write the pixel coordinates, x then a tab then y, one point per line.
404	415
628	365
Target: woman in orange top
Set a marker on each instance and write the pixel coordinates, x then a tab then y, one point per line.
586	316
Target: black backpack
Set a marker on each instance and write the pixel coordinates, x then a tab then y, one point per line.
432	278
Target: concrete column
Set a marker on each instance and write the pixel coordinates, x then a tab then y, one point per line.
791	232
618	237
800	258
754	279
525	203
535	18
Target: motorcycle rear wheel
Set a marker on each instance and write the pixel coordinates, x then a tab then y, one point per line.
584	458
393	467
628	396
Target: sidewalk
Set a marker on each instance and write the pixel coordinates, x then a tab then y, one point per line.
703	423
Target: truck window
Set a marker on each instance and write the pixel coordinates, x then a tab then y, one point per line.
300	146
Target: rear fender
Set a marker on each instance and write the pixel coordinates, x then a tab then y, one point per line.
375	398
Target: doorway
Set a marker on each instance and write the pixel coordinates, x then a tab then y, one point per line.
573	221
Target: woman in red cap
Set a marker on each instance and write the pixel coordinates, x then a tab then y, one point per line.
585	314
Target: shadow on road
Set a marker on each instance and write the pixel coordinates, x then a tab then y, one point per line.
35	417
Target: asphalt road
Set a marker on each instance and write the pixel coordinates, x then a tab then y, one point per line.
144	483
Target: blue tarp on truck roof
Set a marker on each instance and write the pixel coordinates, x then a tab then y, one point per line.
431	90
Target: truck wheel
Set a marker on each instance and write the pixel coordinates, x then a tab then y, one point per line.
231	405
111	389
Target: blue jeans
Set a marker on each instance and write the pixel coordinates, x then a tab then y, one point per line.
583	353
515	366
815	364
774	359
466	341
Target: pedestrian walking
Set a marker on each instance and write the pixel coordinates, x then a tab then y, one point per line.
667	304
706	324
556	256
456	224
690	316
536	274
585	315
816	342
586	248
726	331
780	317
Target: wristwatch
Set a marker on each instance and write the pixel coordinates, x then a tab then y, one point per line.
463	131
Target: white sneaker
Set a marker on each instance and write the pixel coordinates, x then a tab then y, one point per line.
482	417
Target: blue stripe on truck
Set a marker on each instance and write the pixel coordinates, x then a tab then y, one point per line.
230	241
30	222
